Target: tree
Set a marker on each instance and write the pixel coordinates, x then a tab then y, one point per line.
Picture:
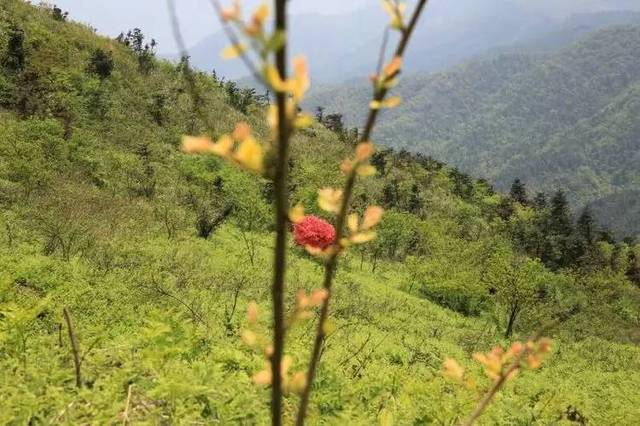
334	122
101	64
518	192
462	184
586	226
14	58
390	194
145	52
560	216
210	209
540	201
516	285
158	108
505	208
633	267
59	14
415	201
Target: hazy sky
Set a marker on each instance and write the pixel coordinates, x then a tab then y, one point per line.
197	19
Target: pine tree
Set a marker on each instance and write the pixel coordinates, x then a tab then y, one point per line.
633	268
14	59
415	202
560	216
559	249
390	195
586	227
540	201
518	192
101	64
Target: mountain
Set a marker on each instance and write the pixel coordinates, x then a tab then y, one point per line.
561	119
346	45
128	267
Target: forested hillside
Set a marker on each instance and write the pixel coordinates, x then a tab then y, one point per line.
564	120
149	258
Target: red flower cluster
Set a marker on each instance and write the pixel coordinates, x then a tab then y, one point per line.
315	232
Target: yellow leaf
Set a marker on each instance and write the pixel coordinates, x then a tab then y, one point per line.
296	214
372	216
318	252
272	117
274	79
330	199
233	51
452	369
318	296
395	11
375	105
263	378
390	84
250	154
314	251
346	166
352	222
301	81
231	13
366	170
285	364
242	131
298	382
249	337
303	120
196	144
252	312
363	237
393	67
223	147
261	14
364	151
391	102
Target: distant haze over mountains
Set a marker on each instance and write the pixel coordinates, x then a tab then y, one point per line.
342	38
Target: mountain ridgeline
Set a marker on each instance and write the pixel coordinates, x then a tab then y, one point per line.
566	119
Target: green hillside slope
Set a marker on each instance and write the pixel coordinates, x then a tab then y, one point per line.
157	254
560	120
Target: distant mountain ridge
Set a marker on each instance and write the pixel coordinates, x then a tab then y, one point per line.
344	46
563	119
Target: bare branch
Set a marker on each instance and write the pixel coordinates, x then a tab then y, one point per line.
74	346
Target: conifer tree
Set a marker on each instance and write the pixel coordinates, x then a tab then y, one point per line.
518	192
633	267
14	59
586	226
560	216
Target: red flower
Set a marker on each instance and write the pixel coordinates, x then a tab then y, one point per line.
315	232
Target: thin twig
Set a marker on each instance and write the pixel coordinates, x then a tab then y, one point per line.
74	346
233	38
331	263
125	415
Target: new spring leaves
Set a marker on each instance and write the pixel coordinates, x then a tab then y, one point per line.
500	364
